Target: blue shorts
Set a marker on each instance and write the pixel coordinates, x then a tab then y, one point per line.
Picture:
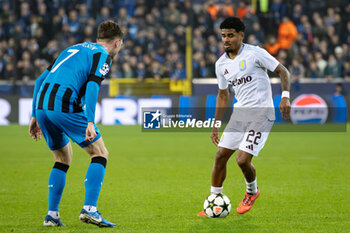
58	126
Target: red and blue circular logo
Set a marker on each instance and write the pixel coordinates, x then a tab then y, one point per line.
309	108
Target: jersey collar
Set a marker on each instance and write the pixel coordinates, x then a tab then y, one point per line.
101	46
239	52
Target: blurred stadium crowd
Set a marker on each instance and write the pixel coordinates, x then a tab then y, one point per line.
311	38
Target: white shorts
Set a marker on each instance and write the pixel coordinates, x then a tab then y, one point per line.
246	136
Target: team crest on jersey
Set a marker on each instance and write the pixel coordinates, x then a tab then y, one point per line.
242	65
104	70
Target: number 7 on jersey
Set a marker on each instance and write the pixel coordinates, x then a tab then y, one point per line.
72	51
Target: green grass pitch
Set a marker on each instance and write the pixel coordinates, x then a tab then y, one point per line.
157	182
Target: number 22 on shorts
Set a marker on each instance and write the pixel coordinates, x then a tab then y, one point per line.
255	135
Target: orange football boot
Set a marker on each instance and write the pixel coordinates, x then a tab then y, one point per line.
247	202
201	214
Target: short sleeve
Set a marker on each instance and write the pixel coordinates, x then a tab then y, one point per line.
222	82
266	60
51	65
100	65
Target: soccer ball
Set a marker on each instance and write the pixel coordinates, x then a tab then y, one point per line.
217	206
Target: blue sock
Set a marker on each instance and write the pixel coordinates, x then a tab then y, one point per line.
57	181
93	180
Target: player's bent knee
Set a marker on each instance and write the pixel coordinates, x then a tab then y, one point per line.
63	155
62	160
97	149
104	153
100	152
243	160
222	155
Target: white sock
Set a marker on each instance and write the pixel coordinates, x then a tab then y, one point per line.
252	187
90	208
54	214
216	190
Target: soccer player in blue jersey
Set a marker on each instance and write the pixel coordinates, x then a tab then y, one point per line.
64	102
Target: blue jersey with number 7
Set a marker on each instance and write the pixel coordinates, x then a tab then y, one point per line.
64	84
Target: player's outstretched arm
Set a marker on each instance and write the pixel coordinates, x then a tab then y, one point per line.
285	83
34	129
91	95
221	102
37	86
97	73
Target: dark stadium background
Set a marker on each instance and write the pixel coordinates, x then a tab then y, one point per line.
171	46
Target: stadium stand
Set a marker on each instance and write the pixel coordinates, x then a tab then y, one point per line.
311	38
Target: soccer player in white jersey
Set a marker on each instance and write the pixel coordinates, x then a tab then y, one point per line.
244	67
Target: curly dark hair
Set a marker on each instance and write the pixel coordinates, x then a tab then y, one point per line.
233	23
